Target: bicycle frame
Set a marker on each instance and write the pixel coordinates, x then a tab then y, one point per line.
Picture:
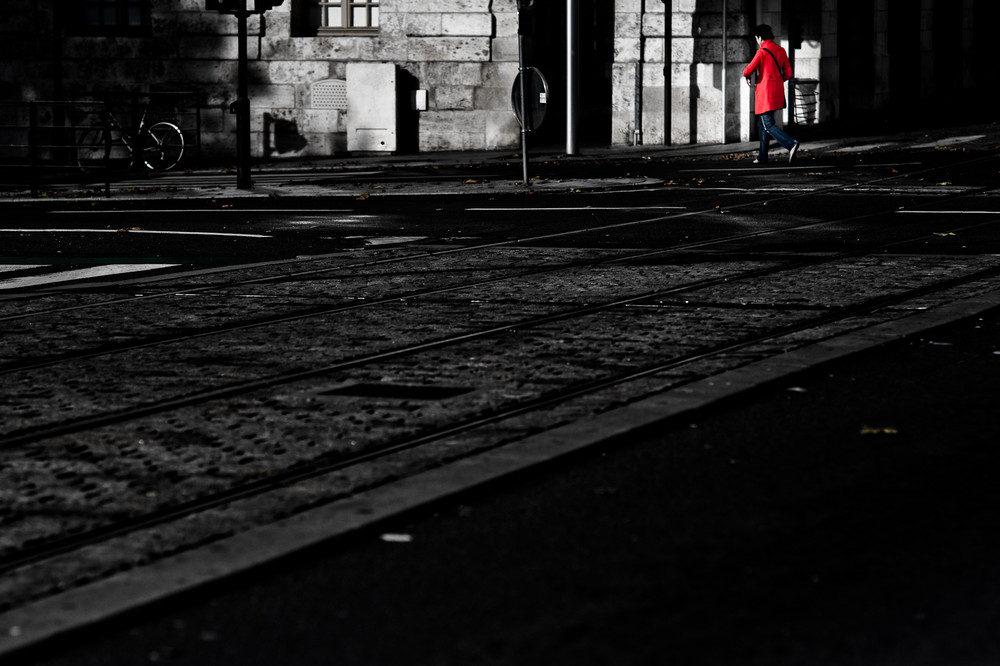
158	147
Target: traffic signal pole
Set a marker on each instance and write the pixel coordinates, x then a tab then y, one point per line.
572	75
242	105
242	9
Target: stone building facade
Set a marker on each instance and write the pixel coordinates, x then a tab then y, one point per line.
651	71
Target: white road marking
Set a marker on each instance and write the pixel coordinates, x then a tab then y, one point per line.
948	212
78	274
310	211
577	208
9	268
131	231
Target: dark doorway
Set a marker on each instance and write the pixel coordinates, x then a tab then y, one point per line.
904	52
856	31
545	48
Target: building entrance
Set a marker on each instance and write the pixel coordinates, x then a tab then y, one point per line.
545	48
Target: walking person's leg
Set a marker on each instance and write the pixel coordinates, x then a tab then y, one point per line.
765	140
787	142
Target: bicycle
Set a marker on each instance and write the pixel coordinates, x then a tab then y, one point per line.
159	146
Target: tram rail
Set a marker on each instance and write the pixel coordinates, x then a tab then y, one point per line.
40	435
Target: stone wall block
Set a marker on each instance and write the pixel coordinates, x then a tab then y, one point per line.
467	24
303	72
468	49
426	6
452	97
273	97
626	49
422	25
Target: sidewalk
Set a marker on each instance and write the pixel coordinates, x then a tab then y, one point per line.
467	172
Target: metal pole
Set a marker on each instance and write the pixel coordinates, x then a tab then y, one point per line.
522	76
33	146
725	68
572	75
637	96
668	70
243	181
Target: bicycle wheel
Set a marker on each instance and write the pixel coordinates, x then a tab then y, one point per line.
91	148
163	146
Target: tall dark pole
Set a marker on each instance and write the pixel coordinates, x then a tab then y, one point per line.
243	181
572	74
522	82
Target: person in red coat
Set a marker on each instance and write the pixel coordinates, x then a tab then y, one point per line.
773	69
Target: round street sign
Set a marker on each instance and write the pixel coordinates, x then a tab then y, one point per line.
536	98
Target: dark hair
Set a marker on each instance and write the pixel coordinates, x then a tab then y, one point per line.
763	31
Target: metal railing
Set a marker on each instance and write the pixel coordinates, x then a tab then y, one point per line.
40	141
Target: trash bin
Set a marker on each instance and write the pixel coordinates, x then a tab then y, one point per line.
806	98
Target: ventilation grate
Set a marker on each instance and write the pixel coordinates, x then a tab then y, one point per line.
329	94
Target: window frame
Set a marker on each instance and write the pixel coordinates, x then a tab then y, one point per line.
346	8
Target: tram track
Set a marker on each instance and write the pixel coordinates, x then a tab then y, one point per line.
319	467
409	257
29	435
334	461
476	247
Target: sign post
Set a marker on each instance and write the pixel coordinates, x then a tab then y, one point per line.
522	92
242	9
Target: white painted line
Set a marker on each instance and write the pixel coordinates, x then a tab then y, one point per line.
387	240
130	231
8	268
951	142
811	167
578	208
948	212
313	211
79	274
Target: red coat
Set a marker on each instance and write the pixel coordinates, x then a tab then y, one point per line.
770	92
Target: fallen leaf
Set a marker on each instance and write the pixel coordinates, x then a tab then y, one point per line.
868	430
397	538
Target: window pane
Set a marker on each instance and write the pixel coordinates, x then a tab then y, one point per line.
360	17
332	14
375	17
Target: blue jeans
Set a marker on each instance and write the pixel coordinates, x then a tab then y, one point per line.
768	129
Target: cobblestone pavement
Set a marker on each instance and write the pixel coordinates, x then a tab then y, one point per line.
113	422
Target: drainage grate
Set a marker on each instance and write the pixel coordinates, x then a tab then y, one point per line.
399	391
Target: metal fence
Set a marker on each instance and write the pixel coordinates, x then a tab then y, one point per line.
54	141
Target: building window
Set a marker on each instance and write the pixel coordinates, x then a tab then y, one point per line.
346	16
107	17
